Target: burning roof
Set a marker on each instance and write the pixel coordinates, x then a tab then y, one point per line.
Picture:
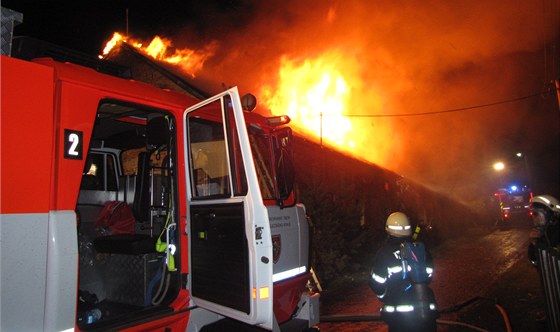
151	66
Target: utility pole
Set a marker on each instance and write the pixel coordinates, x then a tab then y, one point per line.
321	129
527	170
557	83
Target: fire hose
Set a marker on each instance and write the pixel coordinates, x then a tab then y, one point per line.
377	317
477	298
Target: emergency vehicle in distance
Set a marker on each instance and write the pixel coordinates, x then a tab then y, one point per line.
214	228
514	203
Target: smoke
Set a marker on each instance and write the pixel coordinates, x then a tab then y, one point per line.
404	57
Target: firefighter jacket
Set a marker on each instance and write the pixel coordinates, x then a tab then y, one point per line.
399	294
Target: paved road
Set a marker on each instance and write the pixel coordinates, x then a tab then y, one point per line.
464	269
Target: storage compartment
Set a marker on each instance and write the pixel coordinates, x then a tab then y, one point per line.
129	276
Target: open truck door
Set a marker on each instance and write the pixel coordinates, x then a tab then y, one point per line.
230	254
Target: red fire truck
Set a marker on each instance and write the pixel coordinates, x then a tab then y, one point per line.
128	207
514	204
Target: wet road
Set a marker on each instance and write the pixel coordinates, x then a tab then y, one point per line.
464	269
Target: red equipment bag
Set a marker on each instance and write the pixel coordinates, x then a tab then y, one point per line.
117	217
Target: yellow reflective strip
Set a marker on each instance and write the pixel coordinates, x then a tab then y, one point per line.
393	269
405	308
389	308
378	278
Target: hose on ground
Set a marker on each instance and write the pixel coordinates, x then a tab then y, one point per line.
505	316
477	298
377	317
459	306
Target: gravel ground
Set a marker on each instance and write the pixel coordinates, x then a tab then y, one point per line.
480	281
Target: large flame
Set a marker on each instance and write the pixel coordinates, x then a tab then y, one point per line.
162	49
314	95
322	95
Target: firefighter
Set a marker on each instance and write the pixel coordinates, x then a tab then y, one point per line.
401	283
545	211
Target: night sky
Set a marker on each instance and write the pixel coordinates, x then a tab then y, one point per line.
87	25
420	57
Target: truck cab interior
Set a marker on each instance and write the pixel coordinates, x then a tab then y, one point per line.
126	217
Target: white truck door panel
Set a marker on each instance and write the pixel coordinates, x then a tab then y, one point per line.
230	246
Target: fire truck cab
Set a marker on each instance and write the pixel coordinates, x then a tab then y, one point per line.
128	207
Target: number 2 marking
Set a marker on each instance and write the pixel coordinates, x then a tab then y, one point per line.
75	140
73	144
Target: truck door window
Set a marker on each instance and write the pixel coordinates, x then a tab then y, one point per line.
208	152
99	173
240	186
212	160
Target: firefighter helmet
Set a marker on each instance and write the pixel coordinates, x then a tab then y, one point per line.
547	201
398	225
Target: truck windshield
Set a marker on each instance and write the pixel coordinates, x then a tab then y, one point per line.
283	159
261	147
273	162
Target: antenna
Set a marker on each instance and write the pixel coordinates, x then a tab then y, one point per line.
127	22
